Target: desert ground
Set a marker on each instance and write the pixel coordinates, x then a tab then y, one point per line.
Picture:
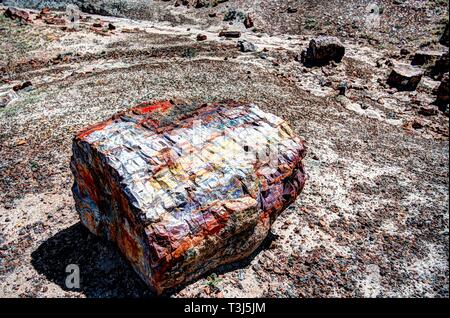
373	218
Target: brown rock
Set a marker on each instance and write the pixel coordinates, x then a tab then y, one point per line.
444	38
201	37
248	22
14	14
405	77
230	34
322	50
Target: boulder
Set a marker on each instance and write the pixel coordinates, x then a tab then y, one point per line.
246	46
202	37
248	22
440	67
426	57
17	14
322	50
230	34
405	77
183	188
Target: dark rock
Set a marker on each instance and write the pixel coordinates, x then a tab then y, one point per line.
441	66
246	46
426	57
248	22
263	55
14	14
291	10
230	34
322	50
201	37
442	91
22	86
342	87
405	77
404	52
111	26
444	38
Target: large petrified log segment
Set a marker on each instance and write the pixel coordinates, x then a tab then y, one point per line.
182	189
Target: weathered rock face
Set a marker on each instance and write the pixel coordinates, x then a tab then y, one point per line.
182	189
246	46
322	50
441	66
444	38
405	77
433	62
426	57
442	91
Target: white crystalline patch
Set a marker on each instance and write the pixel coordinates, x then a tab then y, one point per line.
207	158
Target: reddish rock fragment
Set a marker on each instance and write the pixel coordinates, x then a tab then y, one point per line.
17	14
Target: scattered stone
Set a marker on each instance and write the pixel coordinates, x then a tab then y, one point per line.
404	52
322	50
342	87
264	55
212	15
441	66
248	22
246	46
14	14
405	77
111	26
97	24
22	86
54	20
230	34
162	235
201	37
427	111
292	10
417	124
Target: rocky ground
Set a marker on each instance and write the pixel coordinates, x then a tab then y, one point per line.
373	218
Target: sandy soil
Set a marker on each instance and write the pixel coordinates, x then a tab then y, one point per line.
373	218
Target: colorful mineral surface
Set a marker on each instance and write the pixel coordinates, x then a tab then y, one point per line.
182	189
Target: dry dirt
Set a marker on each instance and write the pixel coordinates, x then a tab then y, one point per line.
373	218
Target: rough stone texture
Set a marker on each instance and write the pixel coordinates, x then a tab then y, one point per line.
442	91
444	38
441	66
182	189
405	77
322	50
426	57
246	46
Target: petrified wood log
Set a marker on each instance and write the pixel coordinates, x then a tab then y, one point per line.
182	189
